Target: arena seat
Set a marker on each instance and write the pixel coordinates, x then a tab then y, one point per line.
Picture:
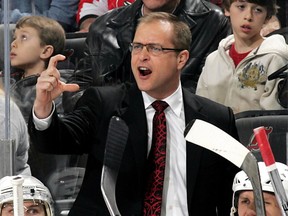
76	42
275	123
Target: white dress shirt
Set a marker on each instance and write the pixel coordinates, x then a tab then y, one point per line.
174	200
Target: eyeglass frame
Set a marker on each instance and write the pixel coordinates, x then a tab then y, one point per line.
148	48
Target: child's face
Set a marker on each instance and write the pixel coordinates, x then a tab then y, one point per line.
25	48
247	19
246	204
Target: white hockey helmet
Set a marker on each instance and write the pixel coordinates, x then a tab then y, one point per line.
33	190
241	181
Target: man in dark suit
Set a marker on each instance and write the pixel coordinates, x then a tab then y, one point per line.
197	181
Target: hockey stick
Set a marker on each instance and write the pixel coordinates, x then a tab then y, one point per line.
17	183
269	160
115	145
226	146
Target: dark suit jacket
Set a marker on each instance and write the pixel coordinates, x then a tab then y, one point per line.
209	177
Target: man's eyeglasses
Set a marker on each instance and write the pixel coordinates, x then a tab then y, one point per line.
36	209
154	49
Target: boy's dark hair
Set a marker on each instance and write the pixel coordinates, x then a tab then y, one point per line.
271	6
49	30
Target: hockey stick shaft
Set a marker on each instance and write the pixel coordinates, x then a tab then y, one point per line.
270	163
17	183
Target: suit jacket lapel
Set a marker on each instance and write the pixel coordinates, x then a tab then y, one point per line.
135	118
192	110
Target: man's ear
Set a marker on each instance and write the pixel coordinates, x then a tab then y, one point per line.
183	57
47	52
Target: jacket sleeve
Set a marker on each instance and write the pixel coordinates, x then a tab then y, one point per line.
269	100
64	12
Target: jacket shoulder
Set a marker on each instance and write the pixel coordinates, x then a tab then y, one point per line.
117	17
199	7
205	105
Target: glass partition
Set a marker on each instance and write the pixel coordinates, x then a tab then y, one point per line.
7	143
63	174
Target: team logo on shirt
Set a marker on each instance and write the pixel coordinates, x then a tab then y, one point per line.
252	75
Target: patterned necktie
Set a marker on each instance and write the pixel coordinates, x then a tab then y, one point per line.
156	162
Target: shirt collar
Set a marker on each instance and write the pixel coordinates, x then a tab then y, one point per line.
175	100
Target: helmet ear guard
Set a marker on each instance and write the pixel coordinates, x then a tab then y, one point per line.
33	190
241	182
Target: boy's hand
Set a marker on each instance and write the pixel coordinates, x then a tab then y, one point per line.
49	86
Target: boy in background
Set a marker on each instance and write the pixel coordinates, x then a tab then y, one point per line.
236	74
35	40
